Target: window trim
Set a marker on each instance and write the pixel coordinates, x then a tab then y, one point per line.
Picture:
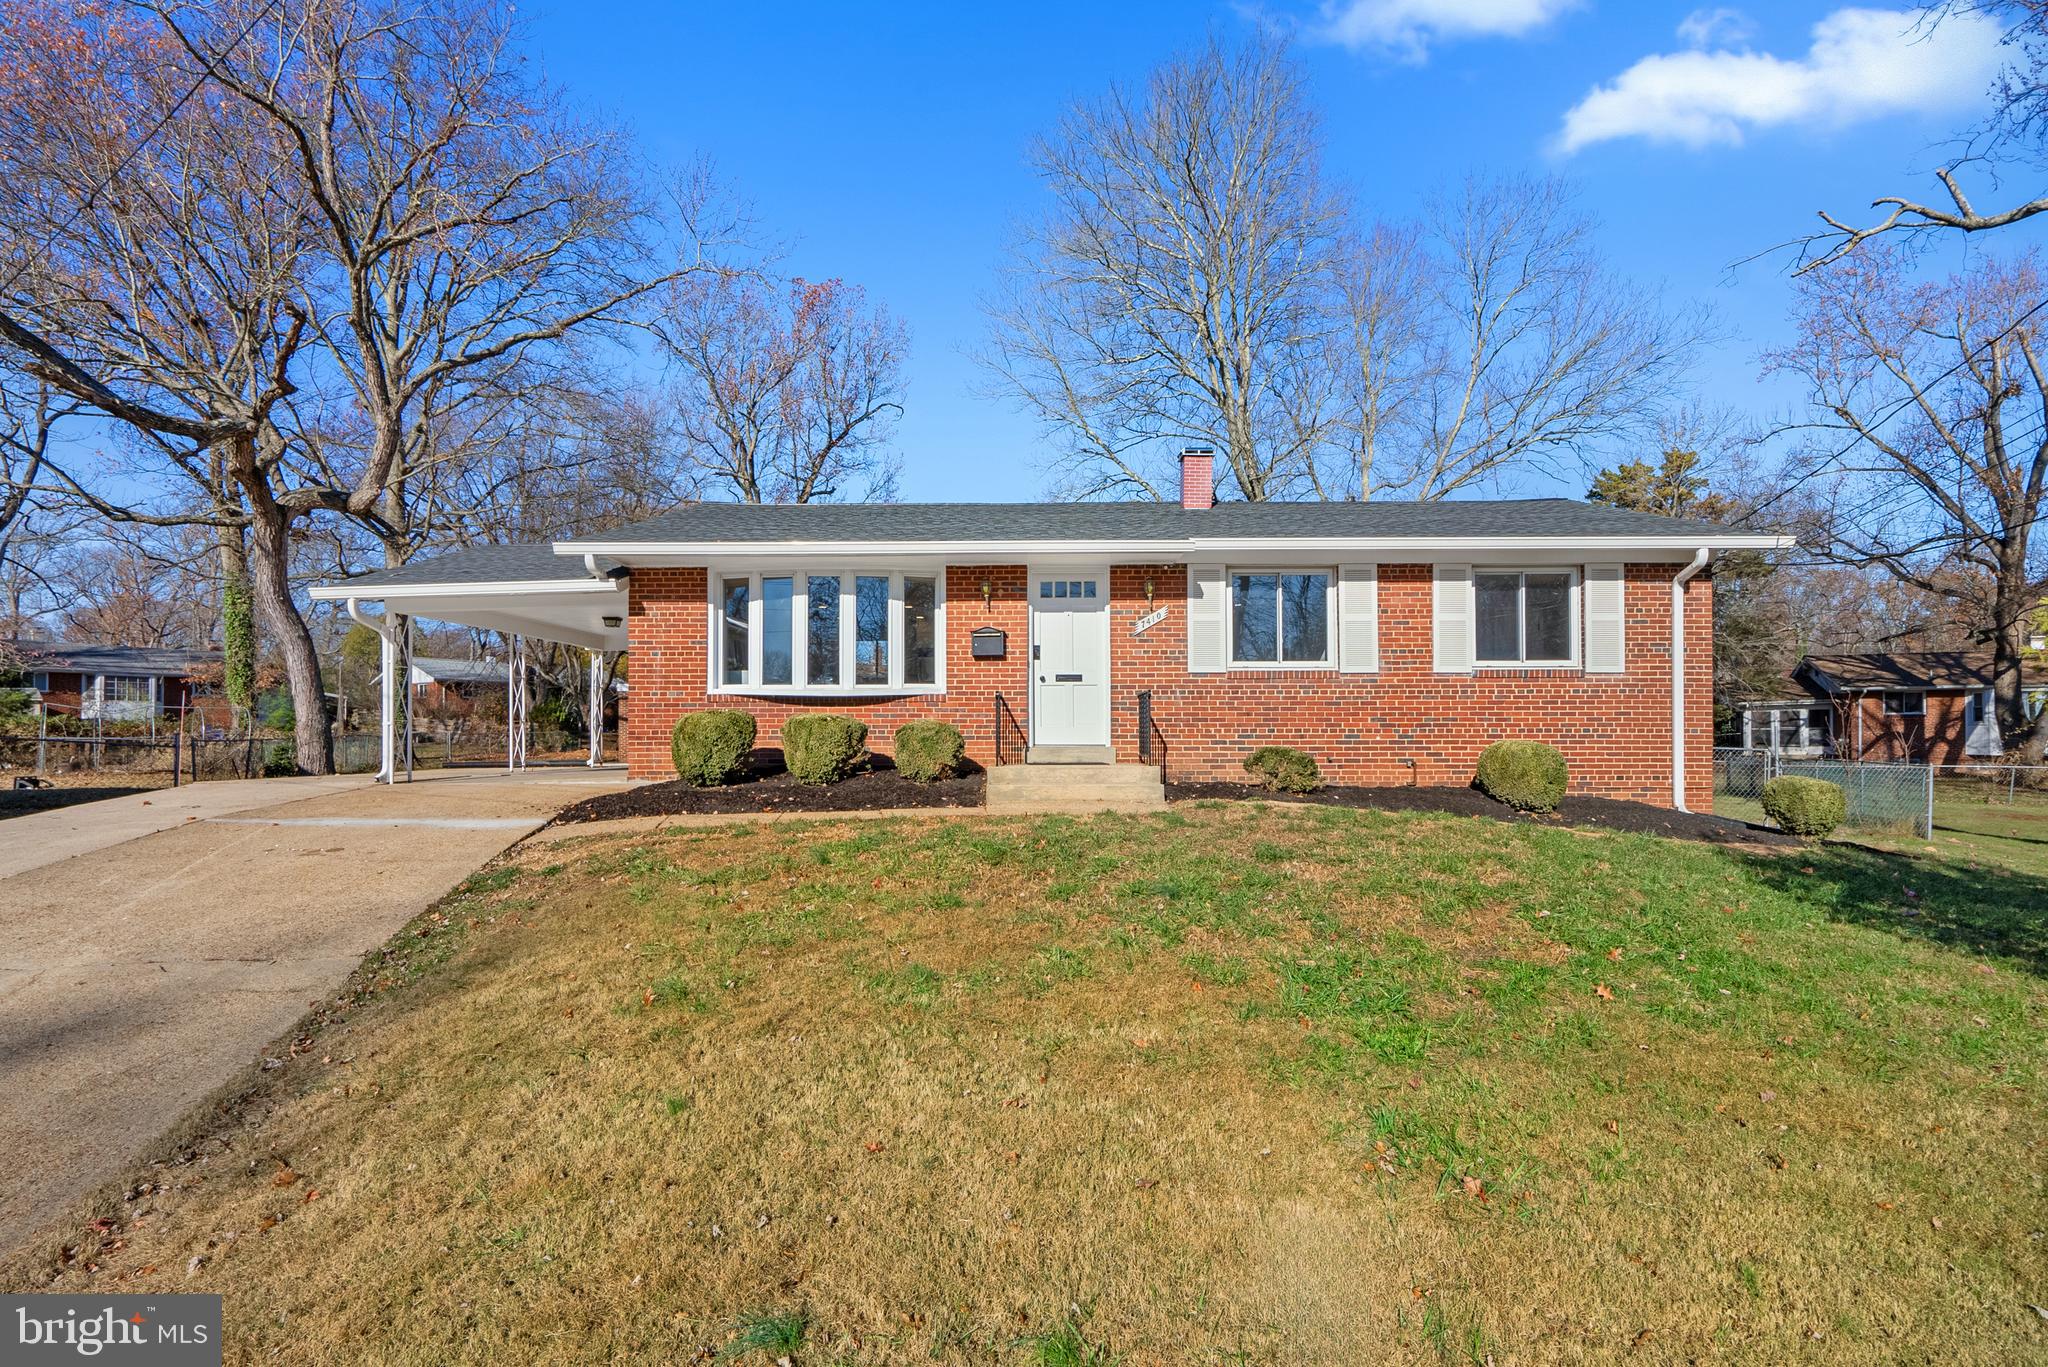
1574	616
849	576
1917	694
1326	665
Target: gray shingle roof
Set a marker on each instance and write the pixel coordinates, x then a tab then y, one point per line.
92	658
446	670
914	522
483	565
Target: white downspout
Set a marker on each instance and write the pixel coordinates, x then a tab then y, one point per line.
387	656
1678	583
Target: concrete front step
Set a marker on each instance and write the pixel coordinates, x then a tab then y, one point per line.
1074	787
1070	754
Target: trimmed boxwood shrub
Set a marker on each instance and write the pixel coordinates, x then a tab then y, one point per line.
1525	774
927	751
708	745
821	747
1284	769
1809	807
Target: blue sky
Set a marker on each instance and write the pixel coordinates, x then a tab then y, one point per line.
888	142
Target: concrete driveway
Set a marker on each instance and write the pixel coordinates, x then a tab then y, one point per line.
145	958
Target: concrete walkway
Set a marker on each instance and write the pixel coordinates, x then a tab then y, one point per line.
146	956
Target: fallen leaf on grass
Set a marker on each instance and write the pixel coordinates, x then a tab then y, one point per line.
312	1194
1603	992
1614	955
874	1146
1474	1187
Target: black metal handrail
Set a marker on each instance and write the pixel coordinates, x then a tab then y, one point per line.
1151	740
1003	712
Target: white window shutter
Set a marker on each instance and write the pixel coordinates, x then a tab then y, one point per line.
1606	598
1358	618
1452	618
1205	619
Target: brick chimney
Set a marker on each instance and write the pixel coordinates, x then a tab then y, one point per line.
1198	477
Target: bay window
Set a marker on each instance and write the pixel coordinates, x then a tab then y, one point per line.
828	630
1279	617
1525	617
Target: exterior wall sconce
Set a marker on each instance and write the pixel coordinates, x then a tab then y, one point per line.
613	621
988	591
1149	589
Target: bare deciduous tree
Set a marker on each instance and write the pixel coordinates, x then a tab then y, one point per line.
464	221
1177	290
785	390
1930	437
1521	345
1198	281
2013	133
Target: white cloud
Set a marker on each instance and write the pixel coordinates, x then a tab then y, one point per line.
1716	28
1864	63
1406	28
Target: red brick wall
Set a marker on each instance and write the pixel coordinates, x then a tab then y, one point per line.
1937	738
667	629
1614	728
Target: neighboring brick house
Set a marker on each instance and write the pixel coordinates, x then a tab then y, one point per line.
1923	707
114	683
451	689
1393	641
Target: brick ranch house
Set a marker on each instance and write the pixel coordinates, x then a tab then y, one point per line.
117	683
1393	641
1921	707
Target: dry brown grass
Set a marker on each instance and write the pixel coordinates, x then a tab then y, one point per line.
1286	1086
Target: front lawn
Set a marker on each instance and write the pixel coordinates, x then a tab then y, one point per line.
1230	1084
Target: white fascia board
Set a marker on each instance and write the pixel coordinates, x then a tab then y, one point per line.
1392	549
391	592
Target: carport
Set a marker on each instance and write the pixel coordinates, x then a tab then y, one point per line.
529	593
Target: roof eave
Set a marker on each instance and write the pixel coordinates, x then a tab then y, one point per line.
1174	549
347	589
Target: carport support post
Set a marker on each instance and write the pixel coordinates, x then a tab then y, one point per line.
387	653
594	717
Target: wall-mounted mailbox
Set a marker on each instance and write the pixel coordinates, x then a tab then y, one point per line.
990	643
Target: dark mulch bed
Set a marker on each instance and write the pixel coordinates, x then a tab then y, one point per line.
764	785
1604	813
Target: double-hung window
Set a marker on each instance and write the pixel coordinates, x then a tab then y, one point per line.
1525	617
1905	704
1279	617
827	630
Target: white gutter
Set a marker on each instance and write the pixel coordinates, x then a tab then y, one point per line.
455	589
590	564
1678	583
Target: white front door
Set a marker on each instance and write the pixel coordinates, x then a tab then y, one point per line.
1980	724
1070	657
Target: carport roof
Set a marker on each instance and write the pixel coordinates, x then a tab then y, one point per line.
474	565
517	590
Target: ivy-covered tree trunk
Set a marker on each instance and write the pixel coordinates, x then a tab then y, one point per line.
237	628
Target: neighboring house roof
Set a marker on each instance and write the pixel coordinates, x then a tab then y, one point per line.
1148	522
1908	670
87	658
448	671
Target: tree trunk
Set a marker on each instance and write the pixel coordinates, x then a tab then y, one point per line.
270	584
2011	609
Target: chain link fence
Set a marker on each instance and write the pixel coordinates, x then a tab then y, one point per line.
1881	797
2013	785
